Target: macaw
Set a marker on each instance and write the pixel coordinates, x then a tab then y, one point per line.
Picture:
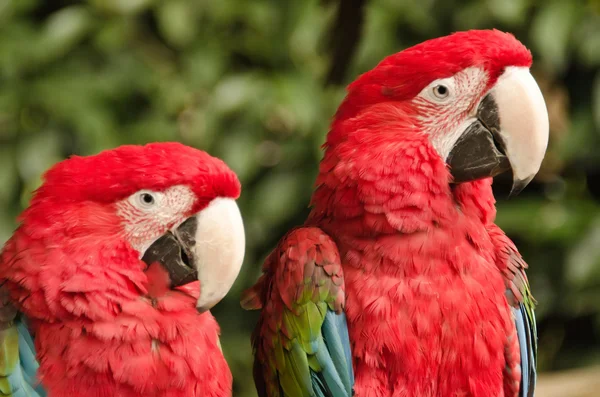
106	284
400	283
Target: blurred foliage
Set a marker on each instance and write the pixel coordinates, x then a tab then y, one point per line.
256	83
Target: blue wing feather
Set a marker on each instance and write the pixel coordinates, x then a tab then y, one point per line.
526	334
19	385
29	363
335	333
23	378
319	385
337	376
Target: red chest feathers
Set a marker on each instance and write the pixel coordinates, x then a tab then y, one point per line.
426	313
144	351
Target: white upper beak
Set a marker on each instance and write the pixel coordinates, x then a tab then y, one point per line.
524	126
219	250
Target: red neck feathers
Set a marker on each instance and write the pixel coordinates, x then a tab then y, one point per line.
380	175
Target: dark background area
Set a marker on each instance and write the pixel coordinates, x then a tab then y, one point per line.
256	83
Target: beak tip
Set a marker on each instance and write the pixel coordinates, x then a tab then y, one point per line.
519	185
202	309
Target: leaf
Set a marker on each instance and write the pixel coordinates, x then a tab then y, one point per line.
511	12
279	192
473	15
583	260
36	154
11	8
123	7
177	21
238	150
545	221
551	30
8	175
237	91
587	39
63	30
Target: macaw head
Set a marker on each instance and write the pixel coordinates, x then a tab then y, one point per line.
470	95
162	203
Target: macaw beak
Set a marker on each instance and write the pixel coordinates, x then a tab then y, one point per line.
208	247
510	133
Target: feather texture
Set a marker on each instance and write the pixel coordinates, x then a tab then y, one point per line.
301	342
73	268
432	295
18	364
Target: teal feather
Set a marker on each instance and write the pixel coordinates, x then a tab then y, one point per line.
319	385
337	340
330	372
19	385
22	380
29	363
526	334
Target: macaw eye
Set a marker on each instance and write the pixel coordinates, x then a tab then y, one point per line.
441	91
146	199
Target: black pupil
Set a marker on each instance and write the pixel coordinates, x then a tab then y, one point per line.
442	90
147	198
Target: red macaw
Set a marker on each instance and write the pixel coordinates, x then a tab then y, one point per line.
401	240
108	278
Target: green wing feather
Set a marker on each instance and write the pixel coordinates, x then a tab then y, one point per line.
9	357
18	365
301	342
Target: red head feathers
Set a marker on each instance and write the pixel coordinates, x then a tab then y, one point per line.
115	174
401	76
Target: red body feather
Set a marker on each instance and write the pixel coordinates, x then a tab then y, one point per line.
103	326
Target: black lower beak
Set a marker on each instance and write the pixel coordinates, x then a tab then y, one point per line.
479	153
173	251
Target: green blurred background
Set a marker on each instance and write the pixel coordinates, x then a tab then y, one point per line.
256	82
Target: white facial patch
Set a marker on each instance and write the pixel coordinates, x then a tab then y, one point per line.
445	119
147	214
